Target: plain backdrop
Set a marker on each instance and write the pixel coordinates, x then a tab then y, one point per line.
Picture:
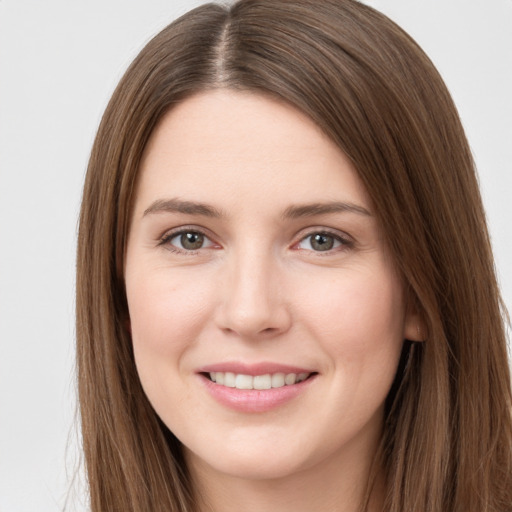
59	63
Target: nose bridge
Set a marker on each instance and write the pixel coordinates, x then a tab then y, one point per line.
253	301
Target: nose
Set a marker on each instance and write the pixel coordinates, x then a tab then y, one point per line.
253	303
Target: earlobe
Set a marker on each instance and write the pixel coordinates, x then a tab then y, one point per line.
421	330
415	329
414	325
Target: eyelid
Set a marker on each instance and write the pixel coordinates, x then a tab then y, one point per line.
168	235
345	239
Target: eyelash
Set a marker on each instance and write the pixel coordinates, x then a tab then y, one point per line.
167	237
344	241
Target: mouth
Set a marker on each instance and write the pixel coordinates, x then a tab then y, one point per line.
256	387
259	382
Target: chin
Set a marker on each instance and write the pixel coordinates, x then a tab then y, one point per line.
254	465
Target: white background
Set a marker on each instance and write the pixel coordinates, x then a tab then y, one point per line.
59	63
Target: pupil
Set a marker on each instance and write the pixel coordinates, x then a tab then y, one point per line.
321	242
192	241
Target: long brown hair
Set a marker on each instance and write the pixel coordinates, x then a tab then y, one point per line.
447	443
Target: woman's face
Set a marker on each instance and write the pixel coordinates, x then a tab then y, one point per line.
254	259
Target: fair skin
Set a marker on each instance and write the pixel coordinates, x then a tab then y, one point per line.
253	250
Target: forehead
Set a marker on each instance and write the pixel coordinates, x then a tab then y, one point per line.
227	146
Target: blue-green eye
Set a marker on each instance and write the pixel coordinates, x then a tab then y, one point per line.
321	242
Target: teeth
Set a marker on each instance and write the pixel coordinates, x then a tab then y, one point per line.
277	380
243	381
262	382
267	381
302	376
290	379
229	380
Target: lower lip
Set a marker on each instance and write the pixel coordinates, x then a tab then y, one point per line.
255	400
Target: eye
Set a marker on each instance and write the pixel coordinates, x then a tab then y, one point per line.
322	242
186	241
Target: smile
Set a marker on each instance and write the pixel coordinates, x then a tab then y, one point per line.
260	382
255	388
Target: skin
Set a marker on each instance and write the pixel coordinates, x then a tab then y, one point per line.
258	290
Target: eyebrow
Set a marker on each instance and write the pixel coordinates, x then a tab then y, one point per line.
292	212
179	206
313	209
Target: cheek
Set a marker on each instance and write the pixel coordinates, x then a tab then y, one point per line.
359	320
359	324
166	314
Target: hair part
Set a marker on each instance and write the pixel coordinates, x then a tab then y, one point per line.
447	441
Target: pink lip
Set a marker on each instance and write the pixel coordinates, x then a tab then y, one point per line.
252	369
254	400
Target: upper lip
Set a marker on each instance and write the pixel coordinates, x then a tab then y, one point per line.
253	369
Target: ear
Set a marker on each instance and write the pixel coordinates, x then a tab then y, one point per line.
415	328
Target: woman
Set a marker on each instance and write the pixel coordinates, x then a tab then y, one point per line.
286	295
